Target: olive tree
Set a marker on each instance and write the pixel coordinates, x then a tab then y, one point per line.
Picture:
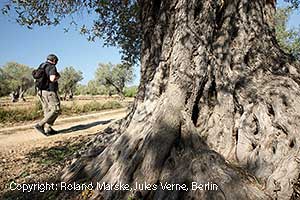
114	76
218	101
16	79
4	90
68	81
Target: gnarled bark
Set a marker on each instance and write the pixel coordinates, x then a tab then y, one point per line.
218	102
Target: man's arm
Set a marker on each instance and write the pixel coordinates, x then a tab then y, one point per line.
54	75
53	78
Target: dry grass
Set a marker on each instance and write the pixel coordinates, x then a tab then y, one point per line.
30	110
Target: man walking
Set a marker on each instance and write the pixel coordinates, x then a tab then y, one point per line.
48	96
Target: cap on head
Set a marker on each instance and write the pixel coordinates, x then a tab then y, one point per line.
52	58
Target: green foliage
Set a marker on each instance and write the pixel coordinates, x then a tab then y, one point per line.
81	89
115	21
130	91
69	80
94	88
15	77
294	3
288	39
115	76
4	89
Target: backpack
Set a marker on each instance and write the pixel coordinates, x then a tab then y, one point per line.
40	77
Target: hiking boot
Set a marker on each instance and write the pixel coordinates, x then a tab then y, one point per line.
51	131
40	129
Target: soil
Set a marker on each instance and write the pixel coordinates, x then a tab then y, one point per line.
27	156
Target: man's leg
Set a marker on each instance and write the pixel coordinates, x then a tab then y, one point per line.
44	102
54	107
46	108
42	95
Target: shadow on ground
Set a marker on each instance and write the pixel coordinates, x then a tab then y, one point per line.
83	126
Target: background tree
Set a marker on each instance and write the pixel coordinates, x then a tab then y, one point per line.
94	88
288	39
131	91
17	80
115	76
4	90
69	80
81	89
218	100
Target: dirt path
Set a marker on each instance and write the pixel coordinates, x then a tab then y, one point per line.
23	139
27	156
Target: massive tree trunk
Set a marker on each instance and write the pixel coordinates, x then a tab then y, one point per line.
218	103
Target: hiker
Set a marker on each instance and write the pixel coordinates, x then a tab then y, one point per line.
47	93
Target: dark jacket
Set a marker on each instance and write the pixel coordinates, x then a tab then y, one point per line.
50	69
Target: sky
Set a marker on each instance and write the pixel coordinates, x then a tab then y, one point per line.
294	20
30	47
